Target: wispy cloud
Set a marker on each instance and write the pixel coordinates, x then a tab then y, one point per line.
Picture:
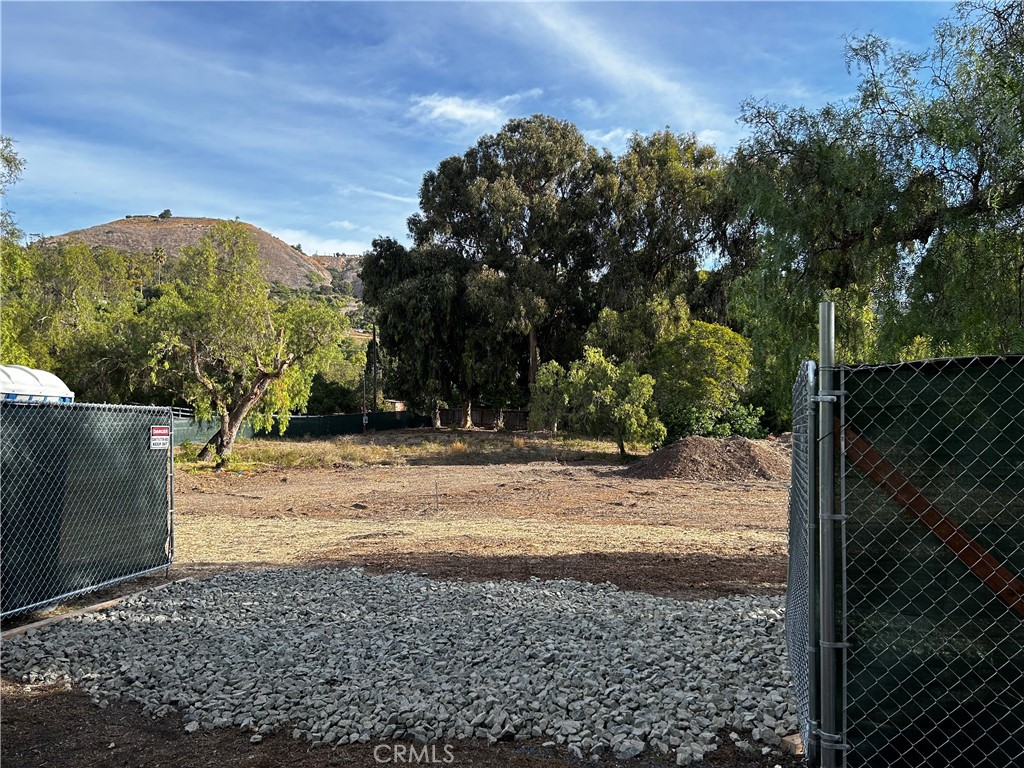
324	135
470	113
619	65
474	114
591	108
615	140
382	195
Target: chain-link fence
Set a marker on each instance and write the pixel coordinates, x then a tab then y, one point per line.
801	622
86	497
931	588
923	664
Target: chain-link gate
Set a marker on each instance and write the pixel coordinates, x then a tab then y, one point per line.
86	499
916	581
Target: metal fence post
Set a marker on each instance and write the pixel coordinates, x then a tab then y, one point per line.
813	663
829	740
170	497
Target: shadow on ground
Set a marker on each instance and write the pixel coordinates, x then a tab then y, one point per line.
685	576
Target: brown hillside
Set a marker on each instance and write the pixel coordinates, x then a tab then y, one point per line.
347	267
282	263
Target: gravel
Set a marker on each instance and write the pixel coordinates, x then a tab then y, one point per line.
342	656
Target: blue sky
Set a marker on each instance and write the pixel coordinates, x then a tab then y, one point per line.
317	121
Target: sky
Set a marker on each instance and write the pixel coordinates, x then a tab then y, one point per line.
316	121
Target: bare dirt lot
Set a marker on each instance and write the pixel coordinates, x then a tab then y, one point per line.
510	520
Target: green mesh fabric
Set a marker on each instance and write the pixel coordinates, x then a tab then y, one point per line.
934	672
84	500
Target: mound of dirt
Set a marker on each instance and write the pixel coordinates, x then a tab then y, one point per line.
707	458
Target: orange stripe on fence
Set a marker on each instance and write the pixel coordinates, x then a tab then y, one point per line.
898	487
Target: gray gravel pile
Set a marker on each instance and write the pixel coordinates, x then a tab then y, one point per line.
341	656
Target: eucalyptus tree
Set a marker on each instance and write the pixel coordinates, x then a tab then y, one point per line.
530	203
666	187
419	299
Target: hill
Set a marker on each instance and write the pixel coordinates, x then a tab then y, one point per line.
282	263
344	268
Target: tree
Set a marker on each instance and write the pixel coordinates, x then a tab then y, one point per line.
73	309
666	186
528	203
235	353
549	398
701	374
952	125
165	213
904	205
633	334
11	166
600	398
820	190
418	299
700	369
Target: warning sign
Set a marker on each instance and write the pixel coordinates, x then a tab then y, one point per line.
159	437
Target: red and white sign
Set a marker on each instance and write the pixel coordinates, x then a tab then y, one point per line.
159	437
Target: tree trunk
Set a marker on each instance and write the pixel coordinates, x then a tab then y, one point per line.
533	355
436	415
223	440
499	423
467	414
621	443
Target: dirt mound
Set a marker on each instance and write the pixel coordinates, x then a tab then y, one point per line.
282	263
707	458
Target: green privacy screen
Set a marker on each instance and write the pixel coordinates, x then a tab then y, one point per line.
85	498
931	484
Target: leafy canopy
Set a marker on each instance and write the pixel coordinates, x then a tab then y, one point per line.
233	351
597	397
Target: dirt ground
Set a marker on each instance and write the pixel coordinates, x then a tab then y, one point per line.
549	519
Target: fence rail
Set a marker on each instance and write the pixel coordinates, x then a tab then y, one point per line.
86	499
927	605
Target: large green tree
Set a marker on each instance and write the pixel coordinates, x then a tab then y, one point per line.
904	205
532	204
234	352
951	125
700	370
74	310
419	300
666	187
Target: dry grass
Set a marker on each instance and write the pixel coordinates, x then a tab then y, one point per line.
409	447
491	521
